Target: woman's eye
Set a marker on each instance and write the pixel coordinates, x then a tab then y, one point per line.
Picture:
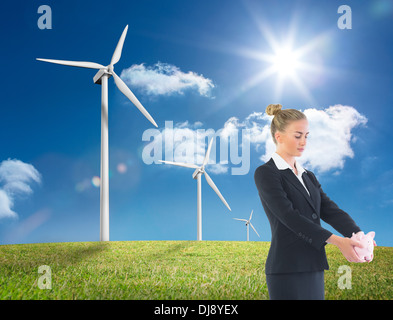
297	137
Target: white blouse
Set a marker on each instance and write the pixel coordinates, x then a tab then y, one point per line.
281	164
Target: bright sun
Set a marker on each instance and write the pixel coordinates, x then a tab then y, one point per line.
290	65
285	62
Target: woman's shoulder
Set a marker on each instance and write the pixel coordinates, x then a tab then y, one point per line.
266	168
312	176
266	176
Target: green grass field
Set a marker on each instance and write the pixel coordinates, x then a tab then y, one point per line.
188	270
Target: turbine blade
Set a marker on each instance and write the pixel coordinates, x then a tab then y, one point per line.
254	229
81	64
211	184
240	219
127	92
251	214
117	53
181	164
207	155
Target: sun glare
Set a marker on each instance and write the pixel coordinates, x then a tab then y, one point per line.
290	64
285	62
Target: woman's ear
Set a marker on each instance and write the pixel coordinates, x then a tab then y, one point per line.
278	137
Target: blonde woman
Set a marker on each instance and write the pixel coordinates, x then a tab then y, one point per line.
294	203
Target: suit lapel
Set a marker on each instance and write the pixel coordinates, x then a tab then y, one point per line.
314	192
290	176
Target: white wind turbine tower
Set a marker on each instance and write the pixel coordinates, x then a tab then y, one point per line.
200	170
248	223
102	76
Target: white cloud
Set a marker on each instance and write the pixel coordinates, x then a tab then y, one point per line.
15	179
166	79
5	206
329	142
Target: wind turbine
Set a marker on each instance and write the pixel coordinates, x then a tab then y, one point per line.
200	170
248	223
102	76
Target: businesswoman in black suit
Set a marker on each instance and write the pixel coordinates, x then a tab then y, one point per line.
294	203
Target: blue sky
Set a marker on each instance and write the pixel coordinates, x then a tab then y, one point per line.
197	66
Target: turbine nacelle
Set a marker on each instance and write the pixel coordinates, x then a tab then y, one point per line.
110	68
200	170
100	73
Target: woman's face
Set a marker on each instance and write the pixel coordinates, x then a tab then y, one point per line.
293	140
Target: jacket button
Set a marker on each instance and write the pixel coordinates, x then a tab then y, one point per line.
314	216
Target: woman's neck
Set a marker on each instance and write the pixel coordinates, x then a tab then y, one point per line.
288	158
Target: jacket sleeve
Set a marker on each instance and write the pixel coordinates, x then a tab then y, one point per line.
275	198
333	215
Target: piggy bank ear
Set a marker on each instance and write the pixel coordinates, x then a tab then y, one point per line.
371	234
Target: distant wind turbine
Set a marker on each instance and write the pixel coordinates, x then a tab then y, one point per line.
248	223
101	78
197	175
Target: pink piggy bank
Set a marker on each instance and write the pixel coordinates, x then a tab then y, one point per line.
367	241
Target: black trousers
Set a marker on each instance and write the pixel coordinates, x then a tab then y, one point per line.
296	286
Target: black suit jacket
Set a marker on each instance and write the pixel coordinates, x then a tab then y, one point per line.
298	240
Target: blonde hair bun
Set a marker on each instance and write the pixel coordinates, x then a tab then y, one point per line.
282	118
273	109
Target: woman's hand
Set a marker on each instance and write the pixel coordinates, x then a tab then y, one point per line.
346	246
